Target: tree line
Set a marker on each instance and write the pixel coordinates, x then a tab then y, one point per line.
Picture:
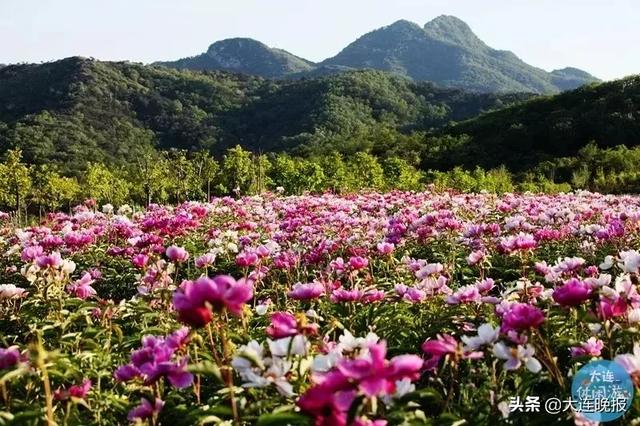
175	176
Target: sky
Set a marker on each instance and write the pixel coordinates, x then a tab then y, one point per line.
599	36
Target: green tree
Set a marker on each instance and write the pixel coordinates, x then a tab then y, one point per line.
366	171
399	174
206	169
16	181
105	185
236	171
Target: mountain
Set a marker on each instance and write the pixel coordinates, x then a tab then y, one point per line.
543	129
244	55
447	52
77	110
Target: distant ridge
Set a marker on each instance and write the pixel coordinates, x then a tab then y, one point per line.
445	51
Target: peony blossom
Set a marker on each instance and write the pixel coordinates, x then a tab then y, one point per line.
195	301
177	254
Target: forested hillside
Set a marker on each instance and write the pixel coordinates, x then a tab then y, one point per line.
545	128
77	110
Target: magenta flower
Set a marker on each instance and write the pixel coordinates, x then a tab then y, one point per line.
52	260
177	254
375	375
9	357
372	375
343	295
82	287
283	324
145	410
29	254
75	391
194	301
140	260
205	260
246	259
358	262
521	316
437	349
572	293
155	360
592	347
306	291
385	248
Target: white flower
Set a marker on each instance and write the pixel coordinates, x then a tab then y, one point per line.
263	307
630	261
68	266
107	209
630	362
248	356
486	336
504	409
10	291
350	343
634	316
601	281
515	357
607	264
313	315
323	363
594	327
125	210
403	387
257	371
295	345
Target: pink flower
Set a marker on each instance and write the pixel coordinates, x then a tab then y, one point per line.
82	288
572	293
385	248
9	357
437	349
306	291
358	262
343	295
476	257
485	285
245	259
75	391
205	260
140	260
31	253
521	316
177	254
592	347
284	324
145	410
52	260
467	294
194	301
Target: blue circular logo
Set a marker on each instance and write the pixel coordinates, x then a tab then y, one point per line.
602	391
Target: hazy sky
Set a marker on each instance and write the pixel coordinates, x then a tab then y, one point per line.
599	36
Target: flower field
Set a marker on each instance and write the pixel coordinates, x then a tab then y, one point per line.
369	309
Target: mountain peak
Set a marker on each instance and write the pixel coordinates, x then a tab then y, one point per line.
236	43
244	55
404	24
450	29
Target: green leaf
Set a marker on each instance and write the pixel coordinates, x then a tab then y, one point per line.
282	419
